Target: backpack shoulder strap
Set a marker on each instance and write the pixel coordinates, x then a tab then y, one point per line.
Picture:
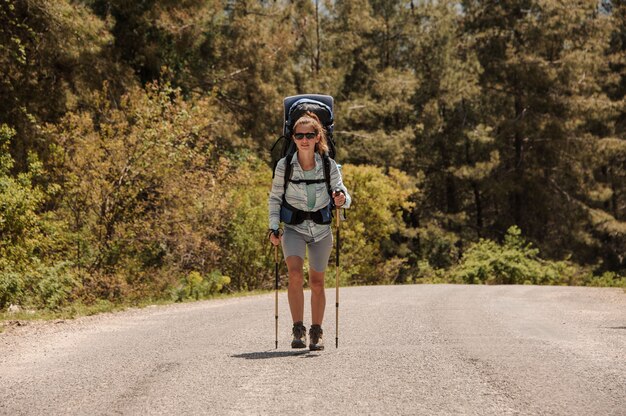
326	160
275	152
288	172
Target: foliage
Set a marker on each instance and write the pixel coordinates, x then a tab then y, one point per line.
56	286
513	262
426	273
607	279
31	248
134	136
195	286
438	247
11	287
367	237
141	184
543	72
245	241
53	54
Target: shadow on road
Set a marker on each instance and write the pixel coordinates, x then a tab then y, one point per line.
274	354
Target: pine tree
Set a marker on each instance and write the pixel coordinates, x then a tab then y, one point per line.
256	48
369	40
543	62
455	146
611	161
53	54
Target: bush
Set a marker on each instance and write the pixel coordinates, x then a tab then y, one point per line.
30	242
195	286
11	288
607	279
426	273
369	254
143	189
56	285
245	241
513	262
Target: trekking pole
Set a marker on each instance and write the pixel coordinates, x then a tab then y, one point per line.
337	283
276	288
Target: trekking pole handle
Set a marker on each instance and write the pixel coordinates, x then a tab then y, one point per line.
276	233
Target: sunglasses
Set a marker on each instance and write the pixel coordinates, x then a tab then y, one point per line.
300	136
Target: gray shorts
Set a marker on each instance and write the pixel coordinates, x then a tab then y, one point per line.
295	244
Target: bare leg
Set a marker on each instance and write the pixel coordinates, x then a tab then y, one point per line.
295	291
318	296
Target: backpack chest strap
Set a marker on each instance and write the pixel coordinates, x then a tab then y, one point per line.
308	181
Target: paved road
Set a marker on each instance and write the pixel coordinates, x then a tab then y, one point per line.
404	350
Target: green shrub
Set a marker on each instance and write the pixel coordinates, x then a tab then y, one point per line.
143	189
11	288
369	255
426	273
439	247
56	285
607	279
30	241
245	242
513	262
195	286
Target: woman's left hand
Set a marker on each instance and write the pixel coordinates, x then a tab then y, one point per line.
339	198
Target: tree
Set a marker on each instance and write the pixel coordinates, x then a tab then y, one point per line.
141	189
369	41
611	154
254	73
53	54
543	63
455	145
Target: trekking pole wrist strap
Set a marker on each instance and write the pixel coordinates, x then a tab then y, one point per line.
276	233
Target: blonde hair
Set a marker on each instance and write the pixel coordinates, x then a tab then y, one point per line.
310	119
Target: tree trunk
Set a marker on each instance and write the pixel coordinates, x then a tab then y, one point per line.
317	40
479	209
518	163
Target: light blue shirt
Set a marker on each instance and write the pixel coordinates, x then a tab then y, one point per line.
297	196
310	189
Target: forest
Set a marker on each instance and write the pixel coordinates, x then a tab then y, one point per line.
482	141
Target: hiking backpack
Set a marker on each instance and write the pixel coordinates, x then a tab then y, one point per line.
294	107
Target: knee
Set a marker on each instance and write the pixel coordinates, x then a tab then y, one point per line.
296	278
316	281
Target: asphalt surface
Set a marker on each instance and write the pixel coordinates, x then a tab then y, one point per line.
403	350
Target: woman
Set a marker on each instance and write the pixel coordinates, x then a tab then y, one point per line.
310	201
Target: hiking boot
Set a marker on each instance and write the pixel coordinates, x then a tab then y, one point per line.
299	335
316	343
